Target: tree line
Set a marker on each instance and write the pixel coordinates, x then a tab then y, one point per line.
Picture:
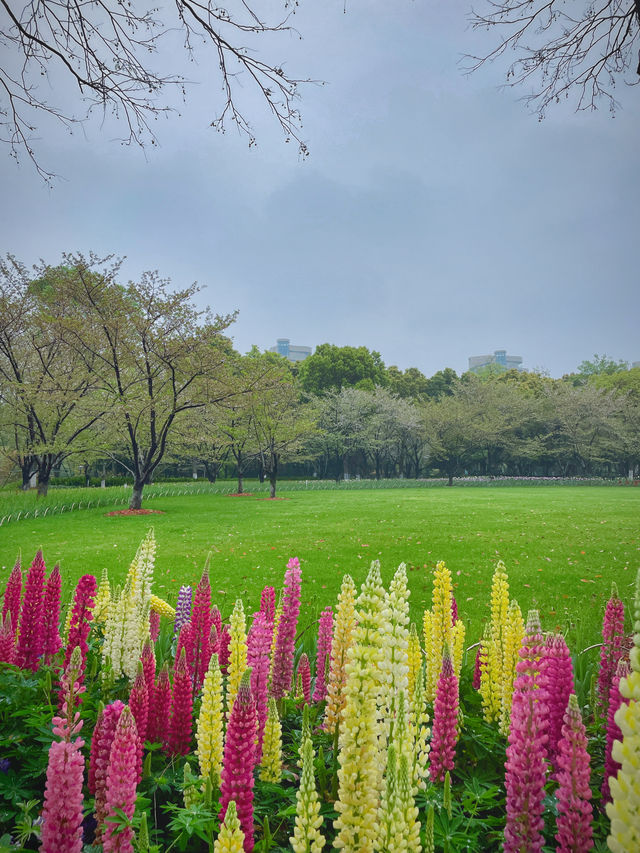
136	377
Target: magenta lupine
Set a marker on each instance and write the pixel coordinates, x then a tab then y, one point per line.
258	651
51	615
81	617
201	628
445	722
268	603
613	730
214	641
12	596
183	609
304	674
216	619
236	781
121	784
477	668
285	642
139	705
454	609
526	752
30	643
103	735
7	640
63	802
612	648
223	649
574	821
148	659
178	740
185	641
556	680
323	654
154	625
158	722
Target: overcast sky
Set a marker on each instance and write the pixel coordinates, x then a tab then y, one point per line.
434	219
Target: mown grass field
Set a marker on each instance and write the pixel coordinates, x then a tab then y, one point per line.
562	546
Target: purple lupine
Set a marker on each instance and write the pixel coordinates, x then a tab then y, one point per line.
556	680
526	752
12	596
616	699
51	614
236	778
454	609
30	643
323	653
575	813
445	722
612	648
285	642
258	651
183	609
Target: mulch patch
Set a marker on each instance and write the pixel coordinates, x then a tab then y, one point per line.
135	512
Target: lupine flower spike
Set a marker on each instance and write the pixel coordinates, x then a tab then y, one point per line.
237	652
139	706
7	640
612	648
258	650
121	784
307	837
342	638
209	732
158	722
611	767
556	680
323	654
285	642
304	676
179	735
624	810
231	836
51	614
239	759
154	625
445	722
103	735
201	627
12	596
574	822
271	760
31	635
81	618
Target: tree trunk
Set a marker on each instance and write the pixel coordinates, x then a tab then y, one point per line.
272	484
239	482
26	476
43	484
136	495
211	471
450	483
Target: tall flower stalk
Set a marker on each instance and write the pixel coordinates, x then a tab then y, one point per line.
30	645
445	722
342	639
574	823
121	784
612	648
285	642
323	654
210	725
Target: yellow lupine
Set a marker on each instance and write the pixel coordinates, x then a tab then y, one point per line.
342	637
624	809
307	837
512	642
360	773
230	838
103	598
414	655
420	732
271	761
209	728
437	627
493	659
162	607
237	652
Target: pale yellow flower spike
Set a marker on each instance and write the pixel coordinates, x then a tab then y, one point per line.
624	810
513	640
307	837
103	599
414	655
458	646
342	637
209	731
271	763
162	607
230	838
237	652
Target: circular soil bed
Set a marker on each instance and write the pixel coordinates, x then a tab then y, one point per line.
135	512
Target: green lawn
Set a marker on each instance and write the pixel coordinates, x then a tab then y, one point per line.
562	546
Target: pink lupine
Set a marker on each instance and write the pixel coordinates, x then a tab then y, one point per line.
201	628
454	609
216	619
574	822
12	596
30	643
612	648
214	641
611	766
556	680
81	617
304	675
121	784
258	651
285	642
7	640
139	705
445	722
63	803
103	736
268	603
158	722
185	641
477	669
223	649
323	653
51	615
236	781
148	659
526	752
154	625
178	741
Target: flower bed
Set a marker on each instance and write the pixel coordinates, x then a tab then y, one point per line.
137	726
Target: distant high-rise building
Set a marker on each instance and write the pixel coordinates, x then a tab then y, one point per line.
499	357
283	347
